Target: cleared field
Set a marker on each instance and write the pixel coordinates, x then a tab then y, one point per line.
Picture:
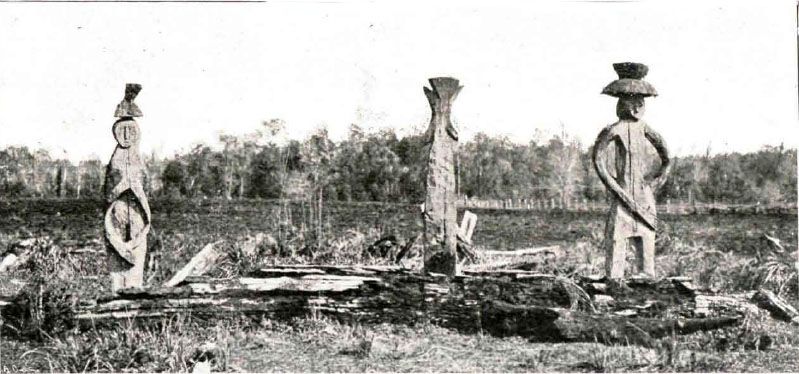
209	220
726	252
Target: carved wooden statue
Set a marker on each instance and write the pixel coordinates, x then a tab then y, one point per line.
127	216
632	219
440	212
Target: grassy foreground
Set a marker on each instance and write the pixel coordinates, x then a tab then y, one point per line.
316	344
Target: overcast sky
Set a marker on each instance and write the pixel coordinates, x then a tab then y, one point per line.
726	71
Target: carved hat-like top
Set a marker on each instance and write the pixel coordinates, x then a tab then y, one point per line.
127	108
630	81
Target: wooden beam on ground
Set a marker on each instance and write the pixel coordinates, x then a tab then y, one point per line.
495	260
563	325
553	249
778	307
539	307
198	265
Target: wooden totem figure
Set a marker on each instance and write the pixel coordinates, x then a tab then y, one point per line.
440	212
632	219
127	216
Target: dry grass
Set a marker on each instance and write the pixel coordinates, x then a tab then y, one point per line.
318	344
717	251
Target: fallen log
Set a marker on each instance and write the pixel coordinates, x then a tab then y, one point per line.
776	306
560	325
539	307
369	294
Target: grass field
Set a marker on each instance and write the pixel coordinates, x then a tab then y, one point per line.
724	252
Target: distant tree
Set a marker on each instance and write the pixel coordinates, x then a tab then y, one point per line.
13	164
175	178
563	160
62	172
347	167
381	170
726	181
154	170
410	151
681	182
272	164
267	173
238	152
485	166
771	172
379	166
90	178
591	188
205	172
318	153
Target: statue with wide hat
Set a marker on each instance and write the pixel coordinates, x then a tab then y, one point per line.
632	219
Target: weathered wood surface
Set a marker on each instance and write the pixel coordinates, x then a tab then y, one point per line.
198	265
517	259
440	213
468	224
536	306
632	219
553	249
127	217
776	306
562	325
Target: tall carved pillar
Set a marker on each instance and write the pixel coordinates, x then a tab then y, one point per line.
127	216
440	212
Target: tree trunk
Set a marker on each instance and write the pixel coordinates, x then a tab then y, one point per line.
78	183
319	228
228	185
241	185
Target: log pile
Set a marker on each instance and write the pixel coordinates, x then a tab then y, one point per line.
510	302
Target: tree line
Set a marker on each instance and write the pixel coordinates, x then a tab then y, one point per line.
380	166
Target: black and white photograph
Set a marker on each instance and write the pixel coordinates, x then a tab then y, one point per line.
352	186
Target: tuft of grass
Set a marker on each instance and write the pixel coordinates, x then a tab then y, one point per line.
172	345
44	306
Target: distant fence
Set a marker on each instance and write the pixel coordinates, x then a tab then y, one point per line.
583	205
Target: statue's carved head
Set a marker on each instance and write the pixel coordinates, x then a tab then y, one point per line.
126	132
631	107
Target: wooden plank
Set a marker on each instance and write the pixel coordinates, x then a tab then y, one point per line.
554	249
496	260
468	223
198	265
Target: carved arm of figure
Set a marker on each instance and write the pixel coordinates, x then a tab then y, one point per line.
108	187
599	159
658	178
